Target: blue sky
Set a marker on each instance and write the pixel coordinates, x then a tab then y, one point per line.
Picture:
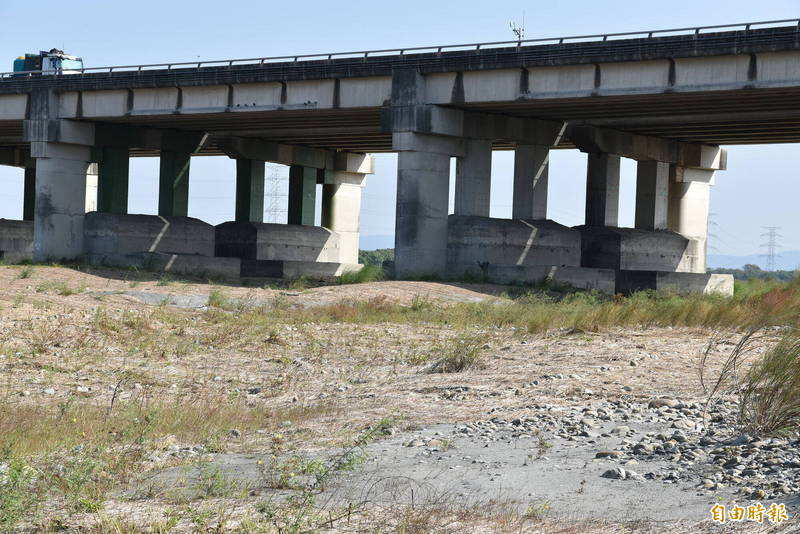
760	188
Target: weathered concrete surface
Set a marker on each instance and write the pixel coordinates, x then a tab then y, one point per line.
474	179
286	242
341	210
16	240
632	281
472	241
603	280
632	249
531	167
118	235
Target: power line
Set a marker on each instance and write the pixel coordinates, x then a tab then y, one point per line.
771	245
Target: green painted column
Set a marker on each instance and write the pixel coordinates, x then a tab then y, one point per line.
249	190
302	195
112	180
173	184
29	192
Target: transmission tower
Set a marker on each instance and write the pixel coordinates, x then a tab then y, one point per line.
276	208
771	245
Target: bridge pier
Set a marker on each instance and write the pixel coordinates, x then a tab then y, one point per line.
341	210
689	198
423	187
652	195
474	178
302	195
173	183
602	190
112	180
29	194
531	168
60	200
249	190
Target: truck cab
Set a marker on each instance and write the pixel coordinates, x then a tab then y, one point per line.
51	62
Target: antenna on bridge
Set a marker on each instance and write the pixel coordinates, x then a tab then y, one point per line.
519	31
771	245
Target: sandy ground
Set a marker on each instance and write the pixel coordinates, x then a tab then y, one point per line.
352	375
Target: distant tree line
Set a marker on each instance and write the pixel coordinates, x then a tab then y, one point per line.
375	257
754	272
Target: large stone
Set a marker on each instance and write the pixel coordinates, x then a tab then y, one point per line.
110	235
473	241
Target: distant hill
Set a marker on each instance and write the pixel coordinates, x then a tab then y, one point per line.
788	261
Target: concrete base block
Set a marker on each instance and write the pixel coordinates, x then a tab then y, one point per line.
185	264
475	240
602	280
16	240
633	249
282	242
107	234
632	281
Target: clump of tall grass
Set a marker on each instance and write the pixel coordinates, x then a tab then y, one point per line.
457	355
769	396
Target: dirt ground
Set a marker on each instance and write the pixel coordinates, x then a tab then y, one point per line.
332	378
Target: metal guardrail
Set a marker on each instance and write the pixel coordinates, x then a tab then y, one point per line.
366	54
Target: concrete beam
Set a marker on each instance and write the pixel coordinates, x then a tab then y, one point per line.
249	190
602	190
531	166
59	131
258	149
438	120
647	148
474	179
124	136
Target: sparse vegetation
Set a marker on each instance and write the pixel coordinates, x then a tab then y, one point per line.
459	354
25	272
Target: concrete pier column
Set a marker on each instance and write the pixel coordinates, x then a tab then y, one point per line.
29	194
91	188
474	178
173	183
112	180
341	210
531	165
689	196
602	190
60	201
302	195
249	190
422	205
652	195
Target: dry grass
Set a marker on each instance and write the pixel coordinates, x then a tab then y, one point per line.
158	375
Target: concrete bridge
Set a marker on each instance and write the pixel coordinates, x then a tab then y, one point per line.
666	99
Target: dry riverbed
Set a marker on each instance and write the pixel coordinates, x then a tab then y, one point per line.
189	406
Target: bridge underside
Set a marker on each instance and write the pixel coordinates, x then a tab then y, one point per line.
723	118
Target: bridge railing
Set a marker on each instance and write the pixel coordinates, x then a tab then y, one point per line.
366	54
